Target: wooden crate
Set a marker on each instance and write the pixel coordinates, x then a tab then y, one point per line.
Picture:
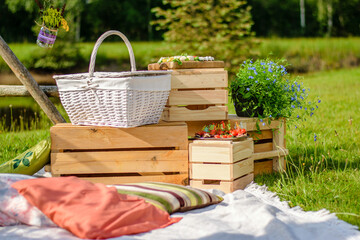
121	155
269	145
223	165
197	93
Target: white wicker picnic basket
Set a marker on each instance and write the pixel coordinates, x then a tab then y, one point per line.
118	99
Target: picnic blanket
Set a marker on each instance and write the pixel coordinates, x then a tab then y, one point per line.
253	213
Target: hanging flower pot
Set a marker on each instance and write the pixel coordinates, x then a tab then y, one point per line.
46	37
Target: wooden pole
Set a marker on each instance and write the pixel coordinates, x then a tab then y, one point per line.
21	91
31	85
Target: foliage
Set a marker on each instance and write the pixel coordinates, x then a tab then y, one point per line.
53	18
263	89
211	28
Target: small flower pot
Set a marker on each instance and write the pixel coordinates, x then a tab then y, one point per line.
46	37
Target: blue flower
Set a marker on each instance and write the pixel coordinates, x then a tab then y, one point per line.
262	63
256	81
267	79
298	116
255	72
244	62
292	106
311	114
315	137
270	116
270	70
319	101
251	77
292	98
251	61
295	126
264	72
261	120
274	81
263	124
248	89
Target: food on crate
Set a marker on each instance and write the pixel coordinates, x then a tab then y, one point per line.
221	130
180	59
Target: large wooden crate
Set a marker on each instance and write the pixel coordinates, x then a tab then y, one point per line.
121	155
269	144
196	93
223	165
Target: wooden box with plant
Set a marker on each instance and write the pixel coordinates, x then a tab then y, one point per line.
51	20
198	88
109	155
265	98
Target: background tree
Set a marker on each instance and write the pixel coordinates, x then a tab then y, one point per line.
207	27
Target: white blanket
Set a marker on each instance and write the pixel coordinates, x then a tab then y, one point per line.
254	213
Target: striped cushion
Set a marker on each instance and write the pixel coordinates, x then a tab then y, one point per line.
170	197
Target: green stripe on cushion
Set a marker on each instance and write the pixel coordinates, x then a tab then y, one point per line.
192	195
162	201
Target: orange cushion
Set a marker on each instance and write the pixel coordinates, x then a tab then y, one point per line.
91	210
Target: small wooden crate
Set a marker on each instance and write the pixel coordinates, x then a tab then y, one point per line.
121	155
197	93
223	165
269	145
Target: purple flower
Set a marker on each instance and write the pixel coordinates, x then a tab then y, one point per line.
315	137
248	89
261	120
319	101
251	77
256	81
274	81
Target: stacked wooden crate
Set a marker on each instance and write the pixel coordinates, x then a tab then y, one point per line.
223	164
198	91
269	142
121	155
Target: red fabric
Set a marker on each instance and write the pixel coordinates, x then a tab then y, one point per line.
91	210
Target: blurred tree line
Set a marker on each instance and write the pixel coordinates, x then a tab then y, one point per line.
90	18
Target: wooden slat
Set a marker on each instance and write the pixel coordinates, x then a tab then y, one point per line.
195	97
250	123
184	114
119	162
225	186
279	143
221	171
183	79
186	64
220	151
181	179
263	167
67	136
270	154
263	147
265	134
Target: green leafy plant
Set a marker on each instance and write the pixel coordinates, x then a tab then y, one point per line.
264	89
53	17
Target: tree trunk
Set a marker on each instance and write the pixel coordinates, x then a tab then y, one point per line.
329	18
302	16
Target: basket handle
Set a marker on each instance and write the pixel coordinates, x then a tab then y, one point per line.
97	45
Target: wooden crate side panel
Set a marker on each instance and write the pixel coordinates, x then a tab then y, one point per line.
181	179
183	79
243	149
119	162
250	123
221	171
225	186
219	153
279	144
68	136
265	134
263	147
184	114
195	97
262	167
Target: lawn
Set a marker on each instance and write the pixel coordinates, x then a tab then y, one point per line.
320	174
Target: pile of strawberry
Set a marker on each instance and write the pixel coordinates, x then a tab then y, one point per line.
221	130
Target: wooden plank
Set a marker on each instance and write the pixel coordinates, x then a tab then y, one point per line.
263	147
68	136
221	171
270	154
184	114
279	143
261	167
195	97
19	91
181	179
265	134
220	151
29	82
250	123
225	186
186	64
119	162
184	79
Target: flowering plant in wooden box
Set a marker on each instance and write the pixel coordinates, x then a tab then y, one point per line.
264	89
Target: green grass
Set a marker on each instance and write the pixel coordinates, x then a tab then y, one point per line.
325	173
